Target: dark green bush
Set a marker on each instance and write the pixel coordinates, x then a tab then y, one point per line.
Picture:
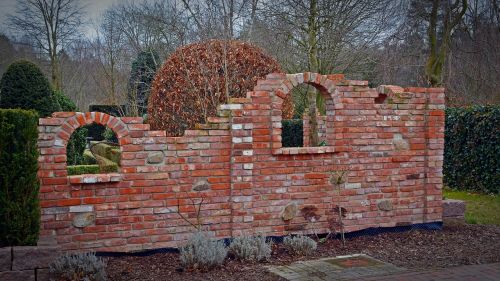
24	86
292	133
83	169
142	73
19	186
472	149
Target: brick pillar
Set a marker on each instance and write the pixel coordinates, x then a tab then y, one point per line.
435	122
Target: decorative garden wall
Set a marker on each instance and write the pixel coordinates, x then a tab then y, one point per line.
387	142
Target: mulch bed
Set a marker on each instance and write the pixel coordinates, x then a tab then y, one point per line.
417	249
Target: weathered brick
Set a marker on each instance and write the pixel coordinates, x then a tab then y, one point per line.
251	176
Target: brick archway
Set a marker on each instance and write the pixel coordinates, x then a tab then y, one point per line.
75	120
280	85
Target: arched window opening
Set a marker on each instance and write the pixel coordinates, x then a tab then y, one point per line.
296	132
93	149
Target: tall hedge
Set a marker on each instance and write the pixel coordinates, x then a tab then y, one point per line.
24	86
472	148
19	207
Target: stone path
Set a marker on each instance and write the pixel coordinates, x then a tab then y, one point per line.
481	272
363	267
338	268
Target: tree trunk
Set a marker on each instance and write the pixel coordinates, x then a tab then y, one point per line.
438	49
313	67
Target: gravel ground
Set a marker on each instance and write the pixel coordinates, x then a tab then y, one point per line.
416	249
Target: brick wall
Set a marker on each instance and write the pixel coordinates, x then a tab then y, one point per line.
389	141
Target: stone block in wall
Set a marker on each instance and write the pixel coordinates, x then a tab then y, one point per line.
25	275
5	259
454	209
31	257
43	274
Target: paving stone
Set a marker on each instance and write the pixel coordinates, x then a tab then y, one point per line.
25	275
43	274
338	268
31	257
5	258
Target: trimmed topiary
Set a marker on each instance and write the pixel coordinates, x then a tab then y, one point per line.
198	77
19	186
141	76
24	86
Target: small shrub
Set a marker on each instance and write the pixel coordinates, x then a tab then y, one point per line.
300	244
19	204
109	135
80	266
203	252
251	248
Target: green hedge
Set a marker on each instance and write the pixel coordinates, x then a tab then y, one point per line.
472	149
292	133
19	186
83	169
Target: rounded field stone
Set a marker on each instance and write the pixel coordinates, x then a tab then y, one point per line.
289	212
84	219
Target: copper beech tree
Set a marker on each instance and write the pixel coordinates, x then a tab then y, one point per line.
198	77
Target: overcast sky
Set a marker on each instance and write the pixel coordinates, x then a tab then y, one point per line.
94	8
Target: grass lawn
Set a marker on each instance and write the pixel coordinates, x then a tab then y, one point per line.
481	208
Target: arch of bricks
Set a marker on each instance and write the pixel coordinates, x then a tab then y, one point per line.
387	141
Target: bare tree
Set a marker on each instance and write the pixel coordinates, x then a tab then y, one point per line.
51	24
219	18
323	36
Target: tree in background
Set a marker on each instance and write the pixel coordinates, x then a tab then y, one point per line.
321	36
141	76
443	18
24	86
195	79
50	24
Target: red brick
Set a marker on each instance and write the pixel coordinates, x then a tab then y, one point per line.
140	208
